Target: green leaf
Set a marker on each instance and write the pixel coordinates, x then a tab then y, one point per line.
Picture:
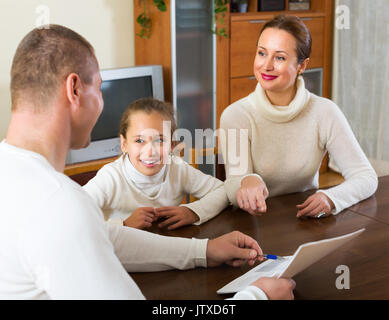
161	5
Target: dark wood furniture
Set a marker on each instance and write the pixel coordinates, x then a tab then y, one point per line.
280	232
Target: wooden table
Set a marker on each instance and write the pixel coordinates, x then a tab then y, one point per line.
280	232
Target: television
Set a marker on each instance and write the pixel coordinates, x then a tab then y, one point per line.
120	87
313	79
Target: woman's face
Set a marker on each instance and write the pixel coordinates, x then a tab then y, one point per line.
275	64
147	142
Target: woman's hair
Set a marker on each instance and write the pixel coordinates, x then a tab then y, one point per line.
296	27
147	105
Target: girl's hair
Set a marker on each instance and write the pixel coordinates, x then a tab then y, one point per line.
296	27
147	105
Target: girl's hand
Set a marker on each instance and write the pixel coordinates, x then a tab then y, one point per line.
141	218
314	205
252	195
175	217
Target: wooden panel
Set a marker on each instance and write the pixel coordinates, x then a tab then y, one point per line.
244	37
156	49
83	178
241	87
316	27
328	34
268	15
317	5
79	168
222	71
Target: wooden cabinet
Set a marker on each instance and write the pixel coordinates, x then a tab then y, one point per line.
316	27
241	87
235	54
243	44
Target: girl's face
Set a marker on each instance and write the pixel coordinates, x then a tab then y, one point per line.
147	143
275	65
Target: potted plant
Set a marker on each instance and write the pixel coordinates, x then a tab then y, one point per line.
144	20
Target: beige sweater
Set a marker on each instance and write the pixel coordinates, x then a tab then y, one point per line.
118	190
284	146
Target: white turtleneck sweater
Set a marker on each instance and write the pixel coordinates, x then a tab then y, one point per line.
54	243
119	189
284	146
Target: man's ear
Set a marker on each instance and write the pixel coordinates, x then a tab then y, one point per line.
73	86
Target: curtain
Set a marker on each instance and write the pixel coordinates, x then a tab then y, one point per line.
360	84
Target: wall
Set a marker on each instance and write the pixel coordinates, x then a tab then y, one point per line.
106	24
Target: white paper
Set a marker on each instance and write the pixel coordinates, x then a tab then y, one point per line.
306	255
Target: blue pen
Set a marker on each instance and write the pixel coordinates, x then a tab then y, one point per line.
270	256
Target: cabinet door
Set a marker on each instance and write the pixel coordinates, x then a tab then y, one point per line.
244	37
242	87
316	27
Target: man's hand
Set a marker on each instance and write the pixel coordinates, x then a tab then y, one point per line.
141	218
252	195
234	248
276	289
315	204
175	217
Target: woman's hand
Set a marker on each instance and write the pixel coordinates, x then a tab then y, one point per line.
175	217
314	205
141	218
252	195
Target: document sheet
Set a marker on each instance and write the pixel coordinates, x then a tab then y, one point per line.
288	266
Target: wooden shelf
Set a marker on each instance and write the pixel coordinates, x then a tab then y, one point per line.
79	168
157	50
268	15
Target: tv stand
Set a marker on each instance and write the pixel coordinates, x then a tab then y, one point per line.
84	171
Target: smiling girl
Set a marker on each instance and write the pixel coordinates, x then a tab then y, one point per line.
289	131
147	182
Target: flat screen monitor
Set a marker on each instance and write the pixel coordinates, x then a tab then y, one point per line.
120	87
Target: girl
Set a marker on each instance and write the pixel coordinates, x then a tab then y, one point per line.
147	182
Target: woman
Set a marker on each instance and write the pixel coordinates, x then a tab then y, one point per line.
287	131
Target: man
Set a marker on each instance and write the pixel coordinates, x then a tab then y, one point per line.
53	240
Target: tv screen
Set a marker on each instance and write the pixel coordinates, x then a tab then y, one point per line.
118	95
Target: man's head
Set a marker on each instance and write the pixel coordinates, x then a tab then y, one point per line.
44	58
58	65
